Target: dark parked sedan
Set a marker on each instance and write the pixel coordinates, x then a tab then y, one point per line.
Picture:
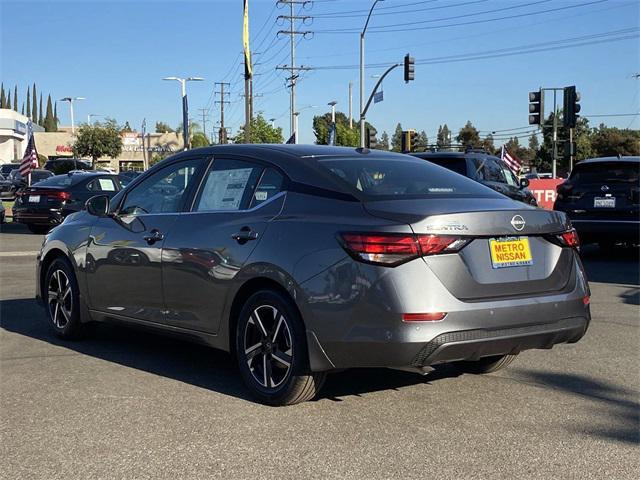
305	259
602	199
486	169
47	203
15	182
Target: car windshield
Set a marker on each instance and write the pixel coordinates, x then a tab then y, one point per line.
609	172
38	176
57	181
458	165
396	178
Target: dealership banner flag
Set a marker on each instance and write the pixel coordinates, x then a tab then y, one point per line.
248	69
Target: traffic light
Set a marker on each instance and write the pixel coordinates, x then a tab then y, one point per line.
371	138
569	149
571	106
409	68
409	140
536	107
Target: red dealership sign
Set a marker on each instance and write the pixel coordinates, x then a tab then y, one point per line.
544	191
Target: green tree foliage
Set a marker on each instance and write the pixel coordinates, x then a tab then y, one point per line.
396	139
582	137
55	114
28	112
422	142
8	105
443	139
261	132
3	98
98	140
488	145
162	127
611	141
41	117
345	136
468	136
384	141
34	105
15	98
49	120
199	139
126	128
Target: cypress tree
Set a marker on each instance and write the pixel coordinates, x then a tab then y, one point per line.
22	108
9	100
34	105
3	100
55	116
41	118
28	112
15	98
49	121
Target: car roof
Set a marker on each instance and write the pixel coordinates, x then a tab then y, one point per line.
629	159
299	162
452	155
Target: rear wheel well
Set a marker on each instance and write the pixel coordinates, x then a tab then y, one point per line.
46	262
248	289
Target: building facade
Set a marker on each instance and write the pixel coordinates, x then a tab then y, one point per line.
13	135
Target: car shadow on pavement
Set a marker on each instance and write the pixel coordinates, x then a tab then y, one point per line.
15	229
187	362
614	403
619	265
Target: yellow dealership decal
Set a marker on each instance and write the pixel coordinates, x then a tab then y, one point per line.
510	252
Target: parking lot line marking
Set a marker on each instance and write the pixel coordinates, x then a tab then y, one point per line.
18	254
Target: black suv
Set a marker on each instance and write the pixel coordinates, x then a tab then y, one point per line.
602	199
486	169
61	166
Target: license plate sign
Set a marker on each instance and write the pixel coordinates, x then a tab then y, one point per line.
604	202
34	198
510	252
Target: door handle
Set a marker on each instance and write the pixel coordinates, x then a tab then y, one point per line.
244	235
153	237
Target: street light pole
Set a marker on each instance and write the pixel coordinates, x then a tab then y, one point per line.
185	105
332	104
362	117
71	100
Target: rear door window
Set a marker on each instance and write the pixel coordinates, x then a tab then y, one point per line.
229	185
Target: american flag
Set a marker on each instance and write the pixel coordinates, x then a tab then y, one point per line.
30	159
511	160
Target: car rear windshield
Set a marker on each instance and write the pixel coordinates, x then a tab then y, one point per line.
57	181
397	178
458	165
606	172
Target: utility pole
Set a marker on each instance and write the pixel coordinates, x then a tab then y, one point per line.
555	137
362	113
203	112
293	70
350	104
222	136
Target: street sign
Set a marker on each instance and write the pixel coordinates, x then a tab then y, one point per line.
378	97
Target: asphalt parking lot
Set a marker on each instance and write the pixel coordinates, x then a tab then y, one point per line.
130	404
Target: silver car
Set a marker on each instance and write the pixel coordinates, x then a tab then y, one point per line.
300	260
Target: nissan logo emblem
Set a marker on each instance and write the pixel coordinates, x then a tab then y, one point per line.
518	223
604	188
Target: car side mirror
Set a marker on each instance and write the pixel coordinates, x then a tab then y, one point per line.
98	205
524	182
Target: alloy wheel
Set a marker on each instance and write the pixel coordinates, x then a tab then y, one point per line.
60	298
268	347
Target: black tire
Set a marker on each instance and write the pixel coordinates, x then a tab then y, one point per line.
485	365
269	335
38	229
62	299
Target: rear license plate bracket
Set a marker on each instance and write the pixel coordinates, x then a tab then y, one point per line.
604	202
34	198
510	252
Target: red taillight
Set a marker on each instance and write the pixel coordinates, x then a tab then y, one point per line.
393	249
423	317
570	238
63	196
586	300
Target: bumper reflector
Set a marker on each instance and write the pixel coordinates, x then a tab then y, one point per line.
423	317
586	300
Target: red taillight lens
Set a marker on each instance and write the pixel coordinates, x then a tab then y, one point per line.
423	317
586	300
63	196
570	238
392	249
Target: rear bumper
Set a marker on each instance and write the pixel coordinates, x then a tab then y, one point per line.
616	230
38	217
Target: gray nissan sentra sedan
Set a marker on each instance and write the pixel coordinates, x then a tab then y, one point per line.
300	260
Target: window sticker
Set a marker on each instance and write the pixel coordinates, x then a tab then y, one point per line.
224	189
261	196
106	185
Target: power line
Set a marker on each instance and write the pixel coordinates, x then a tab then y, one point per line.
376	13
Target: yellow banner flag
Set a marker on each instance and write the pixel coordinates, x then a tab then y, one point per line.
248	69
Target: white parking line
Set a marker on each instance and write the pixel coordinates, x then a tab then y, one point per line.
18	254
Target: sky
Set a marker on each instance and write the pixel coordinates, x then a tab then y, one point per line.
476	60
